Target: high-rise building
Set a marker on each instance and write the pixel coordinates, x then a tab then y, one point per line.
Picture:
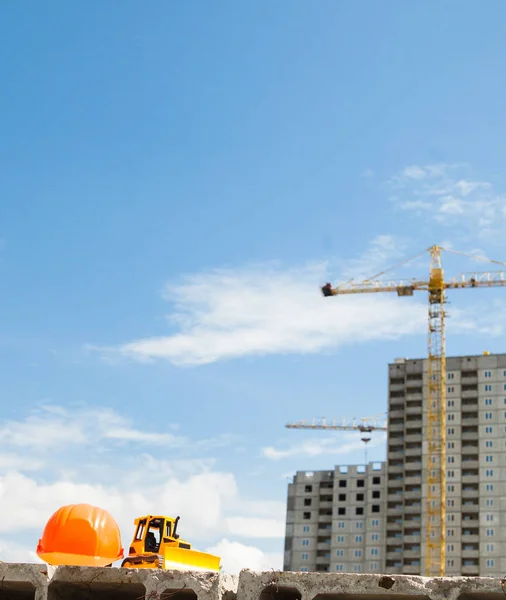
336	520
321	537
475	469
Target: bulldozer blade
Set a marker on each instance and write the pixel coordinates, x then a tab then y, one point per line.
190	560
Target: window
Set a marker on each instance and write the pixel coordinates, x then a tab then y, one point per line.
488	373
356	568
376	480
360	483
451	417
375	523
373	566
451	547
375	537
450	445
490	562
305	556
451	459
306	515
360	497
305	542
358	553
488	415
374	551
489	444
451	488
342	483
308	488
307	529
450	389
451	502
340	552
359	510
375	508
340	539
489	473
490	518
341	511
488	401
376	494
340	524
450	562
304	569
488	429
451	431
489	458
451	375
307	501
488	387
359	524
490	547
490	487
342	497
450	532
490	532
339	567
358	539
490	502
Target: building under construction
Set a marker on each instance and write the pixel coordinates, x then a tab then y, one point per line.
374	518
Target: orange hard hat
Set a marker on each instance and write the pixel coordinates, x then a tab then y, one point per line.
80	534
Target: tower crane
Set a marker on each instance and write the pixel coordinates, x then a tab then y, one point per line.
366	425
436	286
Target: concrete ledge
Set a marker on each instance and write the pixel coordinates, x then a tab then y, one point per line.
287	585
42	582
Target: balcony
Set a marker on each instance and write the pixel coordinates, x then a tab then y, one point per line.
413	509
413	452
396	427
326	504
413	480
413	495
471	553
325	518
323	546
470	493
396	413
411	569
395	454
411	554
471	570
412	539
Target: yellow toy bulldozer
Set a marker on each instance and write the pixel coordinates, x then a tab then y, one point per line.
156	545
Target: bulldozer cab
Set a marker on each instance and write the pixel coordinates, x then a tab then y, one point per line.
152	533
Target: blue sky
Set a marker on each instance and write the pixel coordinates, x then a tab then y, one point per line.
177	181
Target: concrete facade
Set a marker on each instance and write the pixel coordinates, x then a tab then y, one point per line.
41	582
476	465
336	520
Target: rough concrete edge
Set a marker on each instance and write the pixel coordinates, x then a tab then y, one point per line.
252	583
37	574
208	584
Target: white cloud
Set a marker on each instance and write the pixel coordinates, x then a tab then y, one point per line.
446	194
261	310
254	527
381	252
332	445
236	556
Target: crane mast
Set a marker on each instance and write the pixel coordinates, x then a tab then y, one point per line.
436	423
434	454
